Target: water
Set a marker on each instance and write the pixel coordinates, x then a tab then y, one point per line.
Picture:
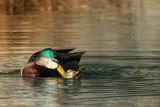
120	69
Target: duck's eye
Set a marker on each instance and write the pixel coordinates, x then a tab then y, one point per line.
55	60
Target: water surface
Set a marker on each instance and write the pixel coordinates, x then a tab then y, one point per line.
120	69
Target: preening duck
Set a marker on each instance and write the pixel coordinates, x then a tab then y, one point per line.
53	63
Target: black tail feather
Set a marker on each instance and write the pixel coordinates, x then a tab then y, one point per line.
64	50
63	57
76	56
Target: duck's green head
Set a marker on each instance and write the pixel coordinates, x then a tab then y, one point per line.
48	53
47	59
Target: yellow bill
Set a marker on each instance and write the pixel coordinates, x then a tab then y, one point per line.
61	71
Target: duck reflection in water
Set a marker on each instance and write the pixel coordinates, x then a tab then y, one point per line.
56	90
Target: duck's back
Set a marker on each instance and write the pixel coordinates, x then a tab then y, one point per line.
63	55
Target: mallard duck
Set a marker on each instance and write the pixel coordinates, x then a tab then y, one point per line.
53	63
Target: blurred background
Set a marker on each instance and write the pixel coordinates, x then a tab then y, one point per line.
120	68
